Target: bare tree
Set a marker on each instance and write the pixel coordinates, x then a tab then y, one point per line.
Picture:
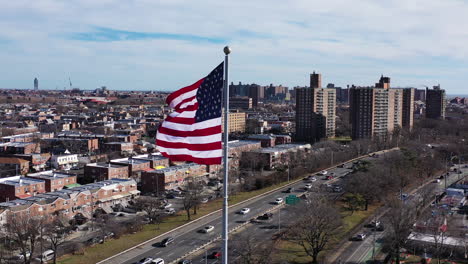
56	230
401	218
249	250
194	190
314	229
151	206
23	232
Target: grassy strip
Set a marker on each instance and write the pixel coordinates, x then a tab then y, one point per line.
115	246
294	253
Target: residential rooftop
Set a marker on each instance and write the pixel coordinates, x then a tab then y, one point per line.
19	181
46	175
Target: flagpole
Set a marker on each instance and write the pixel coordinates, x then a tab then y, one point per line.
225	251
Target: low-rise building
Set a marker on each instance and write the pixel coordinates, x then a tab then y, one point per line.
96	172
11	166
121	147
156	160
54	180
270	158
80	201
135	166
65	161
15	187
171	177
266	140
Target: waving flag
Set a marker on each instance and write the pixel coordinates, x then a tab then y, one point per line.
192	132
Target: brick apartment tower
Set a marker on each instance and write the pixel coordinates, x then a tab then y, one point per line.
378	111
315	111
435	103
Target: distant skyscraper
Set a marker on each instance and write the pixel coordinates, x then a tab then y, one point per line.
377	111
315	80
435	103
315	111
36	84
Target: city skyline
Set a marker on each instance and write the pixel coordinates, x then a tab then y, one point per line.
164	45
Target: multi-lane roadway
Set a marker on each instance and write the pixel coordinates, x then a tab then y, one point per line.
189	237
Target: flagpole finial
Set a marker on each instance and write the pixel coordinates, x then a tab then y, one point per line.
227	50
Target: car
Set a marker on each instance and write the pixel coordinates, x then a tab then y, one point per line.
265	216
441	176
167	241
204	200
279	201
329	177
208	229
308	186
324	172
169	211
48	255
338	189
313	179
147	260
185	261
341	166
288	190
215	255
244	211
158	261
360	237
380	228
436	181
374	223
170	196
165	206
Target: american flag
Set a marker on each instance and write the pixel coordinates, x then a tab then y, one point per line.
192	132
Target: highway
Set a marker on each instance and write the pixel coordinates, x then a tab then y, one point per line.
188	237
361	251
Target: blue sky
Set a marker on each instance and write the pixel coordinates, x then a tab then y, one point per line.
167	44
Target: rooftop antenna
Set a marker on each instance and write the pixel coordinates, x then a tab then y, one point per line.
70	83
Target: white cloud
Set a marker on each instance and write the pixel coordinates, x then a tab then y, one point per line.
348	41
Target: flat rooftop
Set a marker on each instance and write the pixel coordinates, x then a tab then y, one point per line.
104	165
51	175
240	143
19	181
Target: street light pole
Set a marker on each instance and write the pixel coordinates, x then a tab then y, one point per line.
279	219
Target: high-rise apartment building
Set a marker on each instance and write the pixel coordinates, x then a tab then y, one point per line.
408	108
435	102
315	112
241	102
254	91
36	84
315	80
378	111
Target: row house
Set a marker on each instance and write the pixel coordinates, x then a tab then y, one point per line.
135	166
271	158
170	178
15	187
236	148
95	172
82	201
11	166
74	145
54	180
157	161
20	148
28	137
121	147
